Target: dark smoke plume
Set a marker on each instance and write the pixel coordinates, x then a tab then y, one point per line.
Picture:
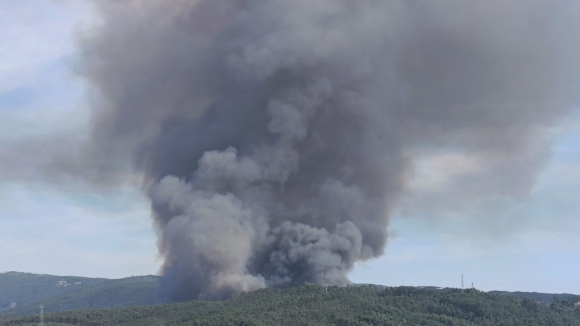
276	136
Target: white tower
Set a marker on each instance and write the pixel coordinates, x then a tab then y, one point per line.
41	316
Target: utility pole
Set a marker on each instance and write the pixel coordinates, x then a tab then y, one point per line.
41	316
462	287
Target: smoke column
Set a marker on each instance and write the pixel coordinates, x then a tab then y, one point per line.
275	137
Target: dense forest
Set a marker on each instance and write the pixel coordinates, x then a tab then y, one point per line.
314	305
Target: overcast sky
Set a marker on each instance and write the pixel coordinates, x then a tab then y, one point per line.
530	245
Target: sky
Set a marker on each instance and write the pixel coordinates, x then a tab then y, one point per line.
525	245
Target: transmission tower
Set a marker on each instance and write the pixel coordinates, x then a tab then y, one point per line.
41	316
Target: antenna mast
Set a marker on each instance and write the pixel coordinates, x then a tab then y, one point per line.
462	287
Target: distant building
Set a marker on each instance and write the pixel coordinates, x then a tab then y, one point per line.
577	304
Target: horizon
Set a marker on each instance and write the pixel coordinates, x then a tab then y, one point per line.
528	244
352	283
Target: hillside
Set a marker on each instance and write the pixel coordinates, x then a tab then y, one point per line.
311	305
17	289
23	293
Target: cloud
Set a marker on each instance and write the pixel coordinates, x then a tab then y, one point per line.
47	232
35	33
40	101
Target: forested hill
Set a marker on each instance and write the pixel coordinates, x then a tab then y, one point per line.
311	305
23	293
18	288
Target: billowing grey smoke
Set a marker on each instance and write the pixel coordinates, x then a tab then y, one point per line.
275	136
